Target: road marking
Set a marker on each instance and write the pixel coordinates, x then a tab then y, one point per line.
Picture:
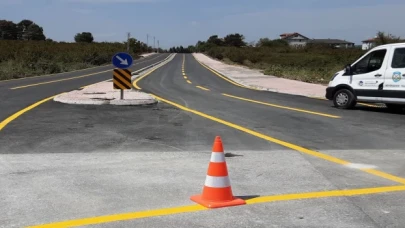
283	107
22	111
134	83
189	82
369	105
185	77
284	143
195	208
47	75
60	80
203	88
274	140
184	74
73	71
223	77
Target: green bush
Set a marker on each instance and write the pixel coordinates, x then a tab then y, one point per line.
28	58
310	64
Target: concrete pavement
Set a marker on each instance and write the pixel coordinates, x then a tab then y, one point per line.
105	160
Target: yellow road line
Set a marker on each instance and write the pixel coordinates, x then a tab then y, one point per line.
184	74
283	107
195	208
47	75
203	88
284	143
189	82
185	77
335	193
143	76
276	141
22	111
60	80
223	77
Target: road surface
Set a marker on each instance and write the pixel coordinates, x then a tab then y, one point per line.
297	161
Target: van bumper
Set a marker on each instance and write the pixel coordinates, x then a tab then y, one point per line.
329	93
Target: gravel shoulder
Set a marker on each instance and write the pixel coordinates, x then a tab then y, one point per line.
258	80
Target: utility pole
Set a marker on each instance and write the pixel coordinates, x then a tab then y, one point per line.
129	36
154	46
158	47
147	42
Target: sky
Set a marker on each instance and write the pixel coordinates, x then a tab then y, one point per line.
184	22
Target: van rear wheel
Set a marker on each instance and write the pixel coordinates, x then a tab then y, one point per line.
344	99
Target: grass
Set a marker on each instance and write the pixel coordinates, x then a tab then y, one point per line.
312	64
20	59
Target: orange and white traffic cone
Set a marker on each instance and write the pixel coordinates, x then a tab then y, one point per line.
217	191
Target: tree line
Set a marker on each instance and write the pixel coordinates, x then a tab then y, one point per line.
24	30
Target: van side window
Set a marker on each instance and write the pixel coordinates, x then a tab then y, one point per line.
370	63
398	61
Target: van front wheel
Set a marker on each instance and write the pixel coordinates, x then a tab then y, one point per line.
344	99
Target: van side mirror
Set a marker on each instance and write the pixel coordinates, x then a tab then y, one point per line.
348	70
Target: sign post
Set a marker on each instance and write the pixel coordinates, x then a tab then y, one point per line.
122	76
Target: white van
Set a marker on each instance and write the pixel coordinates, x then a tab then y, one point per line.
377	77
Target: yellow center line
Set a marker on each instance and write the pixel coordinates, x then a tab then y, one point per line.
185	77
195	208
203	88
284	143
60	80
189	82
282	107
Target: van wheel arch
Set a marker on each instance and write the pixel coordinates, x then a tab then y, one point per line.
339	87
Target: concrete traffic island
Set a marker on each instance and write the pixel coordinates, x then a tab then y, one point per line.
103	94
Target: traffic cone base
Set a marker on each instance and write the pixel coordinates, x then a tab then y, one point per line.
217	191
213	204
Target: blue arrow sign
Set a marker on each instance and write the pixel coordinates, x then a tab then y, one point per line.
122	60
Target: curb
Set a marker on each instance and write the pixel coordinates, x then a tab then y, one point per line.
252	86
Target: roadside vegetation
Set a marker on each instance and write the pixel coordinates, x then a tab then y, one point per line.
313	63
25	51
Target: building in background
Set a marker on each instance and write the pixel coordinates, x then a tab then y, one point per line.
368	44
298	40
295	39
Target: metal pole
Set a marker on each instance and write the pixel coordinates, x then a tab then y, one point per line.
122	94
129	36
147	43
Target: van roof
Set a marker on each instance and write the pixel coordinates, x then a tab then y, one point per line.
391	45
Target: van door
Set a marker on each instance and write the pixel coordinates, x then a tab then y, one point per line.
368	75
394	86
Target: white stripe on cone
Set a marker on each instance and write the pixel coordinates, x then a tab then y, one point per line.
217	182
217	157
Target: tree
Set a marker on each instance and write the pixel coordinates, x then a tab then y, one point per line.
34	32
49	40
85	37
22	27
215	40
383	38
8	30
235	40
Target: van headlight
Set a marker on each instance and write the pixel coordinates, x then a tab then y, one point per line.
334	76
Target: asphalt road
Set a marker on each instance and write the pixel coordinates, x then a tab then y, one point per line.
15	96
103	160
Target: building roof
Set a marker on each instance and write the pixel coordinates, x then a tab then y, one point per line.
329	41
371	40
287	35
